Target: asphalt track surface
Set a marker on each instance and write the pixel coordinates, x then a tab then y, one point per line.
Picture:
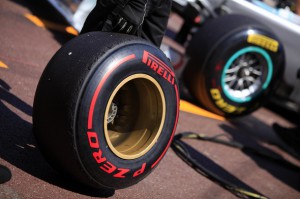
25	50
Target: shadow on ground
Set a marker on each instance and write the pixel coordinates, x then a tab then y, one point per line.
251	132
18	146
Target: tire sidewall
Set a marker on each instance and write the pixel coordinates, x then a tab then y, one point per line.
110	170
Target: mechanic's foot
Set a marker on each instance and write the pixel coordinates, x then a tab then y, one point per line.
5	174
291	137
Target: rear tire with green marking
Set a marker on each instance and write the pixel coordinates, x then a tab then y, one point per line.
235	63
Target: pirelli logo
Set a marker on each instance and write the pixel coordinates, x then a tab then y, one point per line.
159	67
263	41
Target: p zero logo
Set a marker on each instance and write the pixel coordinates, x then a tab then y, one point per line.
104	164
159	67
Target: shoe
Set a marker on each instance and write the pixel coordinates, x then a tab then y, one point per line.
291	137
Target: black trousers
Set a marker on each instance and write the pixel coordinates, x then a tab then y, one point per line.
148	17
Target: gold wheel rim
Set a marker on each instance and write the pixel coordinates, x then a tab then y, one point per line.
134	127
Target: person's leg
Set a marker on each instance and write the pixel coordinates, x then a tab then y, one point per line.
124	16
156	20
144	18
129	18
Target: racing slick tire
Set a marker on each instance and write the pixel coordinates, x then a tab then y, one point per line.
106	109
235	63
